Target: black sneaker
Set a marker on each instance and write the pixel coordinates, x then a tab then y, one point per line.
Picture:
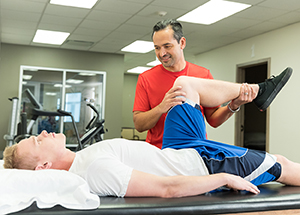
270	88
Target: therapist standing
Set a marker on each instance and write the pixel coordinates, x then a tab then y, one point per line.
154	93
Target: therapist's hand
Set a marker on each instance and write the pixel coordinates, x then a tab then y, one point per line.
246	95
171	99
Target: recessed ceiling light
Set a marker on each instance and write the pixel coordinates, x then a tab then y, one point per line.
75	3
139	69
31	69
213	11
139	46
27	77
50	94
74	81
60	85
87	74
50	37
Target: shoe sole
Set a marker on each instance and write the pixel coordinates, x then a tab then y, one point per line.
277	89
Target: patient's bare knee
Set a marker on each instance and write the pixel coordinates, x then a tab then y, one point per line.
181	81
282	160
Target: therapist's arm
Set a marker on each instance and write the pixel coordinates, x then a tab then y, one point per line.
217	116
146	120
144	184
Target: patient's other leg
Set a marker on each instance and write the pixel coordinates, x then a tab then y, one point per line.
290	171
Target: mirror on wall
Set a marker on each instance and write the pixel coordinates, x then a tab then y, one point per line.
65	89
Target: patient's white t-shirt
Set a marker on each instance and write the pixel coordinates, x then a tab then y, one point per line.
107	165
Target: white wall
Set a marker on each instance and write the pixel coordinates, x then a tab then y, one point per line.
283	48
128	99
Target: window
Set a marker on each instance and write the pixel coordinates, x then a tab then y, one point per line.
73	106
69	90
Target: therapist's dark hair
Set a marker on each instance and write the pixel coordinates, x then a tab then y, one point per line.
174	24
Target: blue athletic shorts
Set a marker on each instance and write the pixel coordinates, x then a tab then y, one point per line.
185	128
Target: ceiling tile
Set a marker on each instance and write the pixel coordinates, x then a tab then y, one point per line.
67	21
110	17
119	6
247	33
24	6
16	38
145	21
67	46
282	5
140	1
17	31
19	15
266	26
18	24
128	37
55	27
42	1
288	18
109	48
152	11
95	32
99	25
251	2
260	13
84	38
186	5
133	29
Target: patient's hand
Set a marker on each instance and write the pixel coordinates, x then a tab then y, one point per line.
238	183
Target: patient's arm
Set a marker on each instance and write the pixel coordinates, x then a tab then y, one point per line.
144	184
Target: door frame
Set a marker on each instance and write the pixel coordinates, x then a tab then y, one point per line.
239	116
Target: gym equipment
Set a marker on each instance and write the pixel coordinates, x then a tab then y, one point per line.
94	129
12	122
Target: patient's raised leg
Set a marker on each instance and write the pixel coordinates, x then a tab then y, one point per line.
211	93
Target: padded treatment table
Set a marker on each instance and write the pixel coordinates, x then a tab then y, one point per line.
273	196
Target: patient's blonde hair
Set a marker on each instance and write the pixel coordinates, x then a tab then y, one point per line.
13	160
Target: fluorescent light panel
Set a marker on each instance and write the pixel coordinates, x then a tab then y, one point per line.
87	74
50	94
153	63
75	3
27	77
31	69
139	46
74	81
50	37
213	11
60	85
138	69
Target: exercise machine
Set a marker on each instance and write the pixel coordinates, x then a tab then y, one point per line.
94	129
12	122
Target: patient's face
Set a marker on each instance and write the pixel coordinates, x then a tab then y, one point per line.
43	146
